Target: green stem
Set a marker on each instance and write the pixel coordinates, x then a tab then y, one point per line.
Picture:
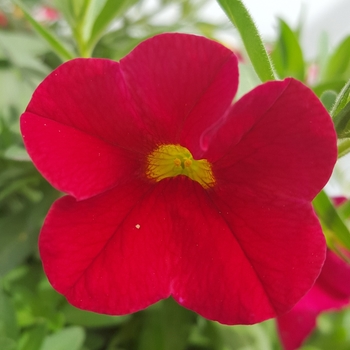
240	17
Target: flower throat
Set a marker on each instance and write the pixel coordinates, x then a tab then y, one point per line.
174	160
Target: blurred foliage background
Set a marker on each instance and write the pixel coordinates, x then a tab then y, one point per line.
35	37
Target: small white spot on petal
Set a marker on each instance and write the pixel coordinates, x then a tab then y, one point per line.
137	226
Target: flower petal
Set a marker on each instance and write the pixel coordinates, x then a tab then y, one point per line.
73	161
181	84
105	254
127	248
80	111
244	262
329	293
278	138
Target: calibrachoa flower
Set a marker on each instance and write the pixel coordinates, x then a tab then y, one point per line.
46	14
172	190
330	292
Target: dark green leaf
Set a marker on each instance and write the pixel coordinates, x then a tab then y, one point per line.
328	98
8	323
287	55
16	242
342	122
342	100
240	17
7	344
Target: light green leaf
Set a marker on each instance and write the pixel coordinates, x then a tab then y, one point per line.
287	55
333	224
93	10
90	319
22	50
338	65
254	337
166	326
335	85
55	43
68	10
71	338
343	148
110	10
17	153
240	17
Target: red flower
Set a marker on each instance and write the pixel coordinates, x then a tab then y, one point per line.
330	292
3	20
173	191
46	14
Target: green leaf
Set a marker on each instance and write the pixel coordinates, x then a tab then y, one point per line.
71	338
110	10
23	50
240	17
7	344
56	45
339	114
344	209
166	326
90	319
287	55
343	147
16	244
17	153
8	323
254	337
338	65
335	85
68	9
328	98
93	9
333	224
342	99
342	122
33	338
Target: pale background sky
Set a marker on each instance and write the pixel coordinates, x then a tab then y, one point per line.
330	16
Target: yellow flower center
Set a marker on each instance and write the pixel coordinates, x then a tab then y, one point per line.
173	160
